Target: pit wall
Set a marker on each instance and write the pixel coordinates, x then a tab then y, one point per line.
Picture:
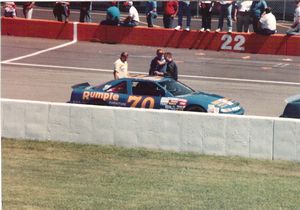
245	136
277	44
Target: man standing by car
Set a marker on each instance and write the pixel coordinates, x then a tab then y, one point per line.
121	66
171	70
158	64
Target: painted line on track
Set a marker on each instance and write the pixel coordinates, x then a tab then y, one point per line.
75	33
136	72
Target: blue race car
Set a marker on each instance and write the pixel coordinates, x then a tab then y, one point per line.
292	109
153	92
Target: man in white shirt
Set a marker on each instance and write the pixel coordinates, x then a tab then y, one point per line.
242	15
295	28
133	18
121	66
267	23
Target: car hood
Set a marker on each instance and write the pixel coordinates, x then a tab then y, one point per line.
212	101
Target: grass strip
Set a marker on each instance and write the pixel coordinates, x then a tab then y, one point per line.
52	175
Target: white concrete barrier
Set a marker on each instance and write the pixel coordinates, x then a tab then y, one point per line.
246	136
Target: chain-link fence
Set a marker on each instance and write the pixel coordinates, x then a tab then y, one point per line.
283	10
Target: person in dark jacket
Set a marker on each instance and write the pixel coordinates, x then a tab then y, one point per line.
171	67
158	64
172	70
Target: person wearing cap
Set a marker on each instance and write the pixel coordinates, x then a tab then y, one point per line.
121	66
112	15
267	23
132	19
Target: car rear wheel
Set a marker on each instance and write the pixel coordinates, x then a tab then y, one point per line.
195	109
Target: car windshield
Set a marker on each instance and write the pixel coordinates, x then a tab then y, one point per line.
176	88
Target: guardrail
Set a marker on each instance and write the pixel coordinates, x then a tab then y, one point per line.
277	44
227	135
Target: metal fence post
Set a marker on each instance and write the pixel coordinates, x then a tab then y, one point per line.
197	8
284	8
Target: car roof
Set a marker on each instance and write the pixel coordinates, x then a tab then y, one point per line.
142	77
293	98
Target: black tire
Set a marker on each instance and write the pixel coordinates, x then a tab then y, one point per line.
195	109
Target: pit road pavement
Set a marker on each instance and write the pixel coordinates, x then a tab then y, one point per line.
259	82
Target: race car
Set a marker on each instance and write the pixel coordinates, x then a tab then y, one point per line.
153	92
292	108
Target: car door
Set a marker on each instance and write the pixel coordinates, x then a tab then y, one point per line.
119	94
145	94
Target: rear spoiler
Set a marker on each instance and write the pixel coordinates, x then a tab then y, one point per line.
82	85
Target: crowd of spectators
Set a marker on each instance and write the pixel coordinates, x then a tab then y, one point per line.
243	12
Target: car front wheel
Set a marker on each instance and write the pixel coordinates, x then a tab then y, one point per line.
195	109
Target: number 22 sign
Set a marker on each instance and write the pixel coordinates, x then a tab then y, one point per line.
233	44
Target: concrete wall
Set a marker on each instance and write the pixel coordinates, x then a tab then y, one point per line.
246	136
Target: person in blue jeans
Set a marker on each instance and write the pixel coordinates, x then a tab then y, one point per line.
151	12
133	18
184	6
257	9
226	10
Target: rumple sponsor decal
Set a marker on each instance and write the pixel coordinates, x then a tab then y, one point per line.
98	95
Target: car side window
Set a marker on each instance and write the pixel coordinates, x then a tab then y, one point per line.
147	88
119	88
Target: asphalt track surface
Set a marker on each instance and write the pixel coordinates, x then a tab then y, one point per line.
259	82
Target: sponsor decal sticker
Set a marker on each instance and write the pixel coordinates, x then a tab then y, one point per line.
173	103
98	95
222	102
